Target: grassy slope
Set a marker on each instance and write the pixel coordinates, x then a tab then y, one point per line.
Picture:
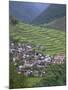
53	40
58	23
54	11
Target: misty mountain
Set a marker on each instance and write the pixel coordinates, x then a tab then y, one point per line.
26	11
59	23
54	11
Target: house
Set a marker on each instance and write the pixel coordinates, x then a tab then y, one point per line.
58	59
15	63
24	56
27	56
28	48
20	67
14	59
47	59
42	57
12	45
28	65
31	63
12	50
40	66
28	73
19	44
19	72
20	49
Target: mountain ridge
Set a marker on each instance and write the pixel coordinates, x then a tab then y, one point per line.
59	24
50	14
26	11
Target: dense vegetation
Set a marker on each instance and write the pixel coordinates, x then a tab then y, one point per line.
53	42
55	76
20	81
13	20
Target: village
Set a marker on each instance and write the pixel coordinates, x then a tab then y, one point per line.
30	62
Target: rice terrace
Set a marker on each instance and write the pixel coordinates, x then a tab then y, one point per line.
37	47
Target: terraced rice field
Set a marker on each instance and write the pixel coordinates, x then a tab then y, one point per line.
52	40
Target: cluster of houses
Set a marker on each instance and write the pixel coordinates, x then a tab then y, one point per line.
30	62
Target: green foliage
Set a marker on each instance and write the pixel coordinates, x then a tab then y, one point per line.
55	76
20	81
13	20
16	80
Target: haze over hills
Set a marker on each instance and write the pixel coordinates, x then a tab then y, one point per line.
59	23
36	13
50	15
54	11
26	11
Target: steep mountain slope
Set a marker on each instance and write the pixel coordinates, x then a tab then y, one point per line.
59	23
53	12
26	11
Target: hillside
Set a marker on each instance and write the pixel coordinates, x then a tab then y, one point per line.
26	11
54	11
59	23
36	13
53	42
46	37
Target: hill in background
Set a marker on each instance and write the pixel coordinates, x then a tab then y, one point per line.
46	15
26	11
59	23
54	11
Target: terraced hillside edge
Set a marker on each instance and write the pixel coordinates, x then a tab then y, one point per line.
59	24
52	40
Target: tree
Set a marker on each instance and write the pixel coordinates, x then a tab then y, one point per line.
13	20
55	76
16	80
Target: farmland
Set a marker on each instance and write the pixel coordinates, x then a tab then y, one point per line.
52	41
